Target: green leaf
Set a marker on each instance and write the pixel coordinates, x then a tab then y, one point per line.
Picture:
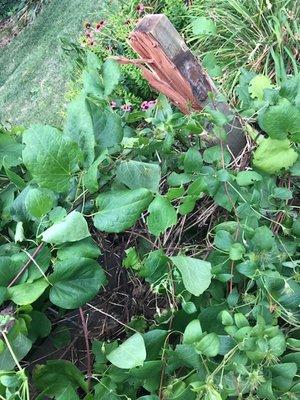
56	375
192	332
71	229
90	177
236	252
282	193
120	210
280	120
27	293
111	75
39	202
107	127
79	128
210	63
209	345
196	274
136	174
92	83
10	151
40	325
192	161
223	240
162	216
85	248
130	354
75	281
50	157
271	156
203	26
263	238
247	178
175	179
20	345
257	86
215	154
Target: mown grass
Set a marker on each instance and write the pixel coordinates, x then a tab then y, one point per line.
33	71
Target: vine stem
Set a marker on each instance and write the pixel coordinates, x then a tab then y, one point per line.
27	264
87	345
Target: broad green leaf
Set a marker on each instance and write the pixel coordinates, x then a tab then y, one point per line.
192	161
111	75
154	342
120	210
203	26
215	154
79	128
39	202
175	179
107	127
90	177
20	345
130	354
136	174
75	281
223	240
85	248
257	86
10	151
92	83
196	274
280	120
246	178
192	332
236	252
14	178
40	325
162	215
209	345
263	238
53	377
71	229
50	157
27	293
271	156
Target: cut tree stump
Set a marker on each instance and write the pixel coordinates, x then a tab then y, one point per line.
172	69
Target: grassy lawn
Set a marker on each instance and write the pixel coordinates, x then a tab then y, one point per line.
33	71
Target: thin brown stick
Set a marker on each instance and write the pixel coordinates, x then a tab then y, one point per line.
87	345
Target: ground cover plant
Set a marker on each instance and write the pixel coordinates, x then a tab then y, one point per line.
217	237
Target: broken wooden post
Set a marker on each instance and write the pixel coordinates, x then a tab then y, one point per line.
172	69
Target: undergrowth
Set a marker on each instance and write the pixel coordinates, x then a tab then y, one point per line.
217	237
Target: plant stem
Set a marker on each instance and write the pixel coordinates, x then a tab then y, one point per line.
87	344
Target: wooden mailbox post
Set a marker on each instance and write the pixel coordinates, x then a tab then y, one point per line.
172	69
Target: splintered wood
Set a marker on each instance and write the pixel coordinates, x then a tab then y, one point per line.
171	68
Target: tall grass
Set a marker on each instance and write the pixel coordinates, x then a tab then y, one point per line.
262	35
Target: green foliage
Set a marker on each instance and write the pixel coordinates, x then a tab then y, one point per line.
232	283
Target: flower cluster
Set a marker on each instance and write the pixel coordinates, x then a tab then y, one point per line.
127	107
89	31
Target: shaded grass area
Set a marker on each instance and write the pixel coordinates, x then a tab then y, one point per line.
33	71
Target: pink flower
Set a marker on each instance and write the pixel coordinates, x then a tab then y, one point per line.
140	8
126	107
146	105
113	104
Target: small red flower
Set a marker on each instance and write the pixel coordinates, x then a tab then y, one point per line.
100	25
